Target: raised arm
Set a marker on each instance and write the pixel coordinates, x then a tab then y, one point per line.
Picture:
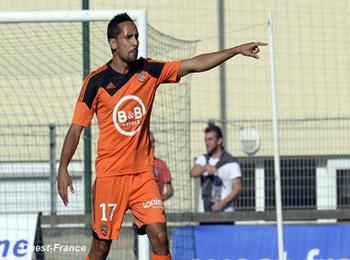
64	180
208	61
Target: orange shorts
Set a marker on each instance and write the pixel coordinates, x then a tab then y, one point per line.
113	196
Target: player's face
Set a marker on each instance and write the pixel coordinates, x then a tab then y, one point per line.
212	142
127	42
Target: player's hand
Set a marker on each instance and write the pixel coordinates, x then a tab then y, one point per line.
217	206
250	49
64	180
211	170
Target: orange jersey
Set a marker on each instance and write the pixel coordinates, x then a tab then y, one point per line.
123	105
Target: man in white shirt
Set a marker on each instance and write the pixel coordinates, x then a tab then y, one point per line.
220	174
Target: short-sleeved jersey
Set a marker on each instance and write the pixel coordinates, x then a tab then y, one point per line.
162	173
123	104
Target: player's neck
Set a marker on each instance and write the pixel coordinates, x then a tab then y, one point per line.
120	66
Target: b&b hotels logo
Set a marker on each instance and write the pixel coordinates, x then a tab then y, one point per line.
128	114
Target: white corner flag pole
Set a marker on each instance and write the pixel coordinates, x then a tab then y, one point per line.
144	245
276	144
143	248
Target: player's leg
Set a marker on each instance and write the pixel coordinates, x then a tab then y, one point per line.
109	203
158	237
147	207
99	249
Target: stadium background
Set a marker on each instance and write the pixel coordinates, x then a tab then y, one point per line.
311	44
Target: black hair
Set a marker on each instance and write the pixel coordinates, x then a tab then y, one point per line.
213	128
113	26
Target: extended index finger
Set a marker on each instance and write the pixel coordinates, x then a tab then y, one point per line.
260	43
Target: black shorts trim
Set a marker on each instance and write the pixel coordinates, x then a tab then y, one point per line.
95	236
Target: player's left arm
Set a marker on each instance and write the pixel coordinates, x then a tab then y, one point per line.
232	196
208	61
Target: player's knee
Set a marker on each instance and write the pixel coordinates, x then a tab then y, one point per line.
158	237
102	248
154	230
162	236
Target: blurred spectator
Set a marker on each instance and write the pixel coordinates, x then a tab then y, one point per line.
219	172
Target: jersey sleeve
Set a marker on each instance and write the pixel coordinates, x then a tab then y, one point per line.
169	72
86	104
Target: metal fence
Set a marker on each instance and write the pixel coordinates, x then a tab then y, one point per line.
30	160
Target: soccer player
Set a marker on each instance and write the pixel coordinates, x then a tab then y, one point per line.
121	94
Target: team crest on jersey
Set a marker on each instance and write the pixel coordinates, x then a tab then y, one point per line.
104	229
141	76
128	115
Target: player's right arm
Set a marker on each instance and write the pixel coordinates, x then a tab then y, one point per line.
84	111
64	180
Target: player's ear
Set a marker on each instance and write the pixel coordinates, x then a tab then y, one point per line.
113	44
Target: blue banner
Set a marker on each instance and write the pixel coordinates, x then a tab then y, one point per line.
259	242
17	234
